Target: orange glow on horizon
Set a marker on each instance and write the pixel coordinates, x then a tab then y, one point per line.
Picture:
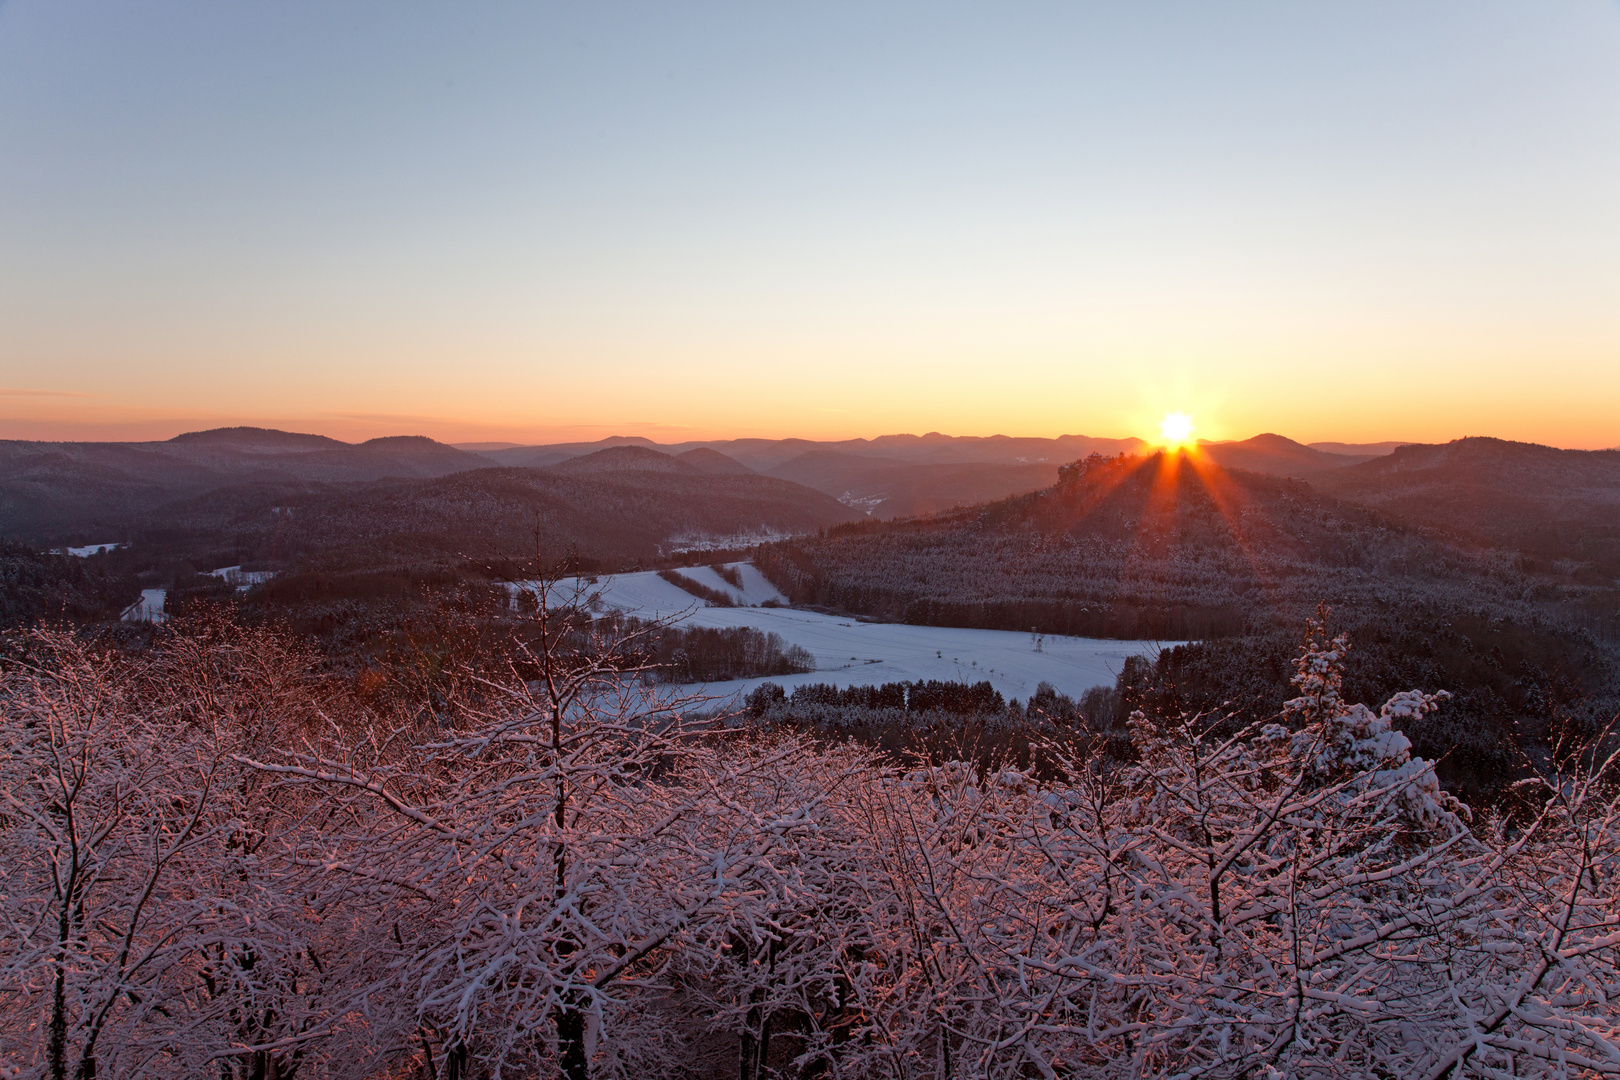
74	415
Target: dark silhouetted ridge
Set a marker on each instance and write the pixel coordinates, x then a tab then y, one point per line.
712	461
622	459
1558	504
256	438
1275	455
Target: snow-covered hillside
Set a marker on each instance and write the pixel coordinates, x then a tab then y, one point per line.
849	652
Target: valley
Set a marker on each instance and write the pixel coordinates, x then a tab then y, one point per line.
1481	567
853	652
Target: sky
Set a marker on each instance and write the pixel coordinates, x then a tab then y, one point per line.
526	222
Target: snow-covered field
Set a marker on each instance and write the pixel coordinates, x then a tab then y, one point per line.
149	608
87	551
849	652
242	579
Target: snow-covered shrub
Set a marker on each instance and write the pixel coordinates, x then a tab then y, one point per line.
141	931
228	875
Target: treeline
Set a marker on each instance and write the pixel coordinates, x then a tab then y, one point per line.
940	721
1514	686
1075	618
697	654
933	695
713	597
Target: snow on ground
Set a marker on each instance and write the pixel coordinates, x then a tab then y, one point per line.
755	591
149	608
242	579
646	594
86	551
849	652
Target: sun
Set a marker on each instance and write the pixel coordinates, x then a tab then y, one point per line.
1175	430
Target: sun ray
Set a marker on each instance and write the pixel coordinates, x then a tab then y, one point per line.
1170	478
1227	496
1161	513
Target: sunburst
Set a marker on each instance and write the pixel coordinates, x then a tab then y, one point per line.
1176	431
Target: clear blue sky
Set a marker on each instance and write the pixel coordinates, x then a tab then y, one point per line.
1338	221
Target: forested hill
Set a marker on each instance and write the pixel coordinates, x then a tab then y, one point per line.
1139	547
1155	548
611	511
51	492
1549	503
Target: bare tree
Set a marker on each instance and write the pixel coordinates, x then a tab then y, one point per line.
543	860
213	862
143	932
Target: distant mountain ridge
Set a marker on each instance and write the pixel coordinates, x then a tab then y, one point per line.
1276	455
908	475
1553	503
763	455
1368	450
886	487
620	504
47	488
272	495
1559	504
60	491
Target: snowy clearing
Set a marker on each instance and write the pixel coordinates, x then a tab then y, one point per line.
149	608
850	653
87	550
242	579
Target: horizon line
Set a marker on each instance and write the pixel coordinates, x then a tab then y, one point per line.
484	445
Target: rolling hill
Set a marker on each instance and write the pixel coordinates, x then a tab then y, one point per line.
1549	503
65	491
1276	455
886	488
617	506
1236	561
